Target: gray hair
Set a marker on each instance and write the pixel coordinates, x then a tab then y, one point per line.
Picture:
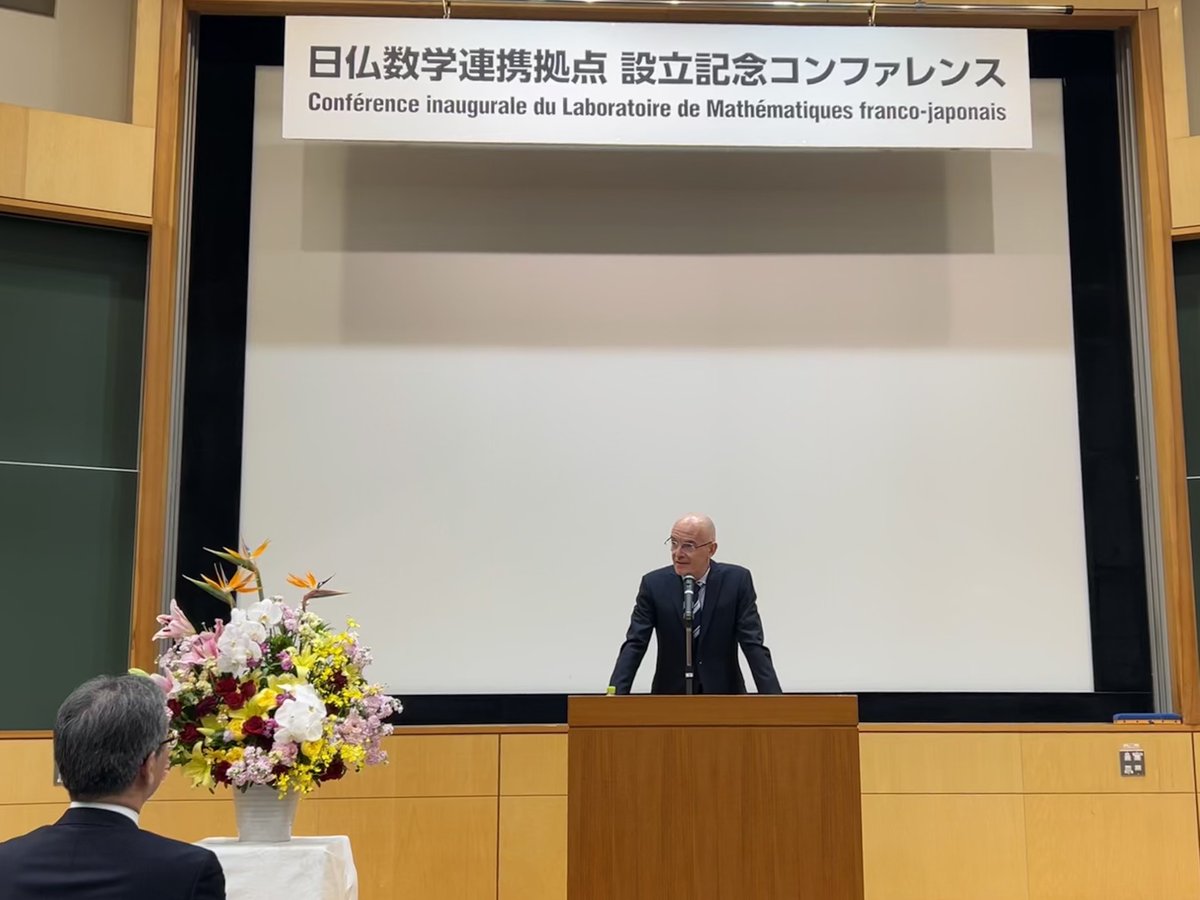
104	731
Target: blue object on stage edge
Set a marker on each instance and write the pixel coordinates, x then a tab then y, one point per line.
1148	718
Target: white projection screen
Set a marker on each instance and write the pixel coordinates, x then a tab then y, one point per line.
481	383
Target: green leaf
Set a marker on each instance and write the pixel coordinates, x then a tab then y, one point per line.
229	559
208	588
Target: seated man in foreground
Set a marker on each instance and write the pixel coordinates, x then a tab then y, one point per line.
112	748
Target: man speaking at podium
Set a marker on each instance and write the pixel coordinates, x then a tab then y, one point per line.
724	614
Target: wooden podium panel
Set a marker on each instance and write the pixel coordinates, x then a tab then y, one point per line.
737	798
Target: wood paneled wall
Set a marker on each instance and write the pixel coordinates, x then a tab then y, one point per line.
72	161
55	165
1043	815
947	815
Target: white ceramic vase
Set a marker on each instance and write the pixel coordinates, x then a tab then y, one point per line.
262	816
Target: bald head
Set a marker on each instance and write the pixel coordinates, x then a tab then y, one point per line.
693	543
701	525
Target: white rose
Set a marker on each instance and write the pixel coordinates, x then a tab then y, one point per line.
301	717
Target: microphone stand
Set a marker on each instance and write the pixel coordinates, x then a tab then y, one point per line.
689	675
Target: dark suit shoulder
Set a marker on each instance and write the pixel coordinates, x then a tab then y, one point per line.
98	853
196	871
146	845
666	575
731	571
663	574
169	849
14	847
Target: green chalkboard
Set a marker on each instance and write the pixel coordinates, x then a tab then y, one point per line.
72	319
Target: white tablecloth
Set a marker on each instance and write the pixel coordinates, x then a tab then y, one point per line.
305	868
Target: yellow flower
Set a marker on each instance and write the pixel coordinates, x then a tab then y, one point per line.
284	681
198	768
304	663
312	749
262	702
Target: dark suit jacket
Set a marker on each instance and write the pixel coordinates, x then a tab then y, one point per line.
729	618
101	855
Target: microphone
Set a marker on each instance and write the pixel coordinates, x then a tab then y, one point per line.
689	594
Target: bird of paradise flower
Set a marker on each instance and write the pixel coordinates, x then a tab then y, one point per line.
247	579
315	588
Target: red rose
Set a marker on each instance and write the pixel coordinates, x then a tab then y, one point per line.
280	769
207	706
254	725
336	770
189	735
234	700
226	685
339	680
249	689
221	772
174	707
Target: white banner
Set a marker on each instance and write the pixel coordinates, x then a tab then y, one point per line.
597	83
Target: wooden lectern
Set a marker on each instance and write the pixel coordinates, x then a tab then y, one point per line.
746	797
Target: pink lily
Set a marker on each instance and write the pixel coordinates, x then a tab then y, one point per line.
203	646
164	681
175	625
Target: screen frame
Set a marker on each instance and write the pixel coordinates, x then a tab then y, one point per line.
230	48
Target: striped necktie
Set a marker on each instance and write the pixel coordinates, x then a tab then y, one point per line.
696	608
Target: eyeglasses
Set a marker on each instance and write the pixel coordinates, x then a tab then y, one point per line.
685	546
169	741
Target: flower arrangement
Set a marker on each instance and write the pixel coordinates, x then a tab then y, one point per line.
273	696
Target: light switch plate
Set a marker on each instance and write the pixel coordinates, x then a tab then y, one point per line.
1132	761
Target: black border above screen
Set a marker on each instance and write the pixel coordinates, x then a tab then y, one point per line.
230	48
